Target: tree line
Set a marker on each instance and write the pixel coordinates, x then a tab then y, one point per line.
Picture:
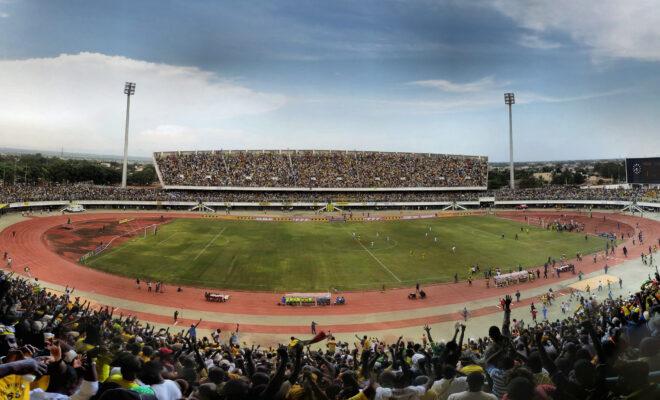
36	168
559	175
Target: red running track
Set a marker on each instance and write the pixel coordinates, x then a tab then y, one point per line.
29	247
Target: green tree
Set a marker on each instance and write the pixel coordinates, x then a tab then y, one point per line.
145	177
35	168
498	178
614	170
568	177
529	182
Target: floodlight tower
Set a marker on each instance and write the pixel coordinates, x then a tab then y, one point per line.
129	90
509	100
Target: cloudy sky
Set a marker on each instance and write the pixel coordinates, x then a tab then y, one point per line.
371	75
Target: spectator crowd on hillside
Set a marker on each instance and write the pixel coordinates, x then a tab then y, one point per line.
59	347
321	169
573	192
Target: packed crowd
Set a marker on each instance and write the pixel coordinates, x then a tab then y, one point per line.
573	192
59	347
322	169
67	192
20	193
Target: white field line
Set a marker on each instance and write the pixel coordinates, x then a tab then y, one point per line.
170	237
378	261
209	243
105	247
105	253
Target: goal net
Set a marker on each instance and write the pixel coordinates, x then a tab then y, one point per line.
536	221
132	231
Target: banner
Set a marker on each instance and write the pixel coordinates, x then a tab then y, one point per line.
425	216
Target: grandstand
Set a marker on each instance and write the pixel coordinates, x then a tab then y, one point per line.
317	179
320	170
23	197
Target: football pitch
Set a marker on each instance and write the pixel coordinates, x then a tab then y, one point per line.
319	256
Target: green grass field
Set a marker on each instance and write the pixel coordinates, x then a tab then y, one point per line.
310	256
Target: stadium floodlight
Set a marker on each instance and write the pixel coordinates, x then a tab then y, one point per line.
129	90
509	100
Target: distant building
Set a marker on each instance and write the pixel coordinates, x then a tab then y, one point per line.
544	176
598	180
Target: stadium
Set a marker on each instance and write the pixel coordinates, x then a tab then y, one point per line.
351	256
318	201
284	233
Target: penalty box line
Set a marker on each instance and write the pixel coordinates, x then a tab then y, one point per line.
209	243
378	261
165	240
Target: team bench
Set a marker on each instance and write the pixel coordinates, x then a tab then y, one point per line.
216	297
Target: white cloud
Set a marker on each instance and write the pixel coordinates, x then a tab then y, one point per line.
177	137
532	97
77	101
535	42
4	15
610	28
483	84
466	102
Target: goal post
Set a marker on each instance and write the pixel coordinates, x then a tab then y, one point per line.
536	221
150	230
